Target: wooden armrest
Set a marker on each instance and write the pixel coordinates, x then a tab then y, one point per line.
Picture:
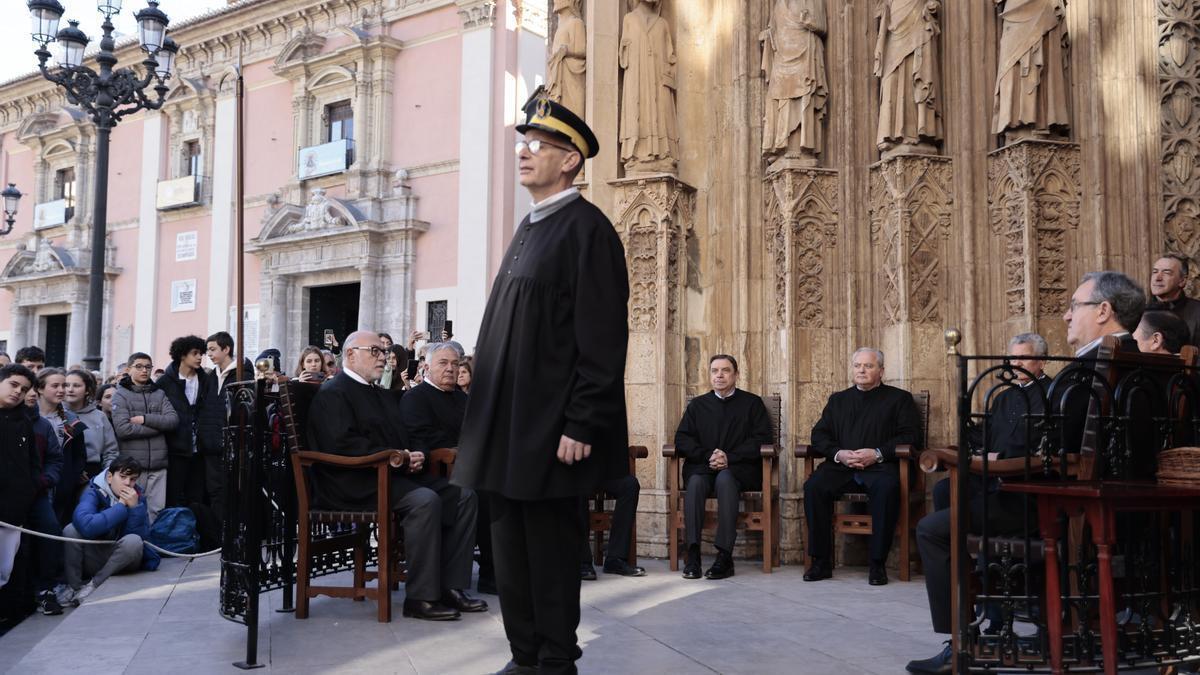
807	452
668	451
938	459
905	451
443	455
771	451
364	462
941	459
638	452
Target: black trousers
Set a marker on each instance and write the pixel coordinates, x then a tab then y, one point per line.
699	487
536	549
214	484
625	490
831	481
483	539
185	480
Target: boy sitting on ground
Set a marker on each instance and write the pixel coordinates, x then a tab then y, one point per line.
112	508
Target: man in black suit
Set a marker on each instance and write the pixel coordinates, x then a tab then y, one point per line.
357	418
858	433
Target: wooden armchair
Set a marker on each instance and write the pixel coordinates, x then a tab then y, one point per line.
912	496
759	513
600	519
323	532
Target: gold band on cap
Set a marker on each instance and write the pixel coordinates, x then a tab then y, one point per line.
565	129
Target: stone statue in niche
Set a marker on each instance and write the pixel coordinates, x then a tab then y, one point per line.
316	214
794	61
907	63
568	53
1031	73
648	128
43	256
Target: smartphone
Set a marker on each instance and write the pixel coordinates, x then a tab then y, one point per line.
448	327
328	337
316	377
412	369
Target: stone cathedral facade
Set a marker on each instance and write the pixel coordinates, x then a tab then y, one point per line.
796	178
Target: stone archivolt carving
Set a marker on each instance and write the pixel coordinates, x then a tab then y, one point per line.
801	213
1034	199
910	220
907	63
654	219
317	214
648	127
794	61
1032	94
37	257
1179	87
567	68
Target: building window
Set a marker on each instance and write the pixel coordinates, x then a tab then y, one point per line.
435	315
64	189
191	158
339	125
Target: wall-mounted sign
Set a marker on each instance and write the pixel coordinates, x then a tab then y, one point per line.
49	214
183	295
327	158
185	245
178	192
249	327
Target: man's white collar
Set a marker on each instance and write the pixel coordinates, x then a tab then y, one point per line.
545	208
355	376
1084	349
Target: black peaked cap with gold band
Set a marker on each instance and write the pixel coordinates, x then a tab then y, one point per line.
554	118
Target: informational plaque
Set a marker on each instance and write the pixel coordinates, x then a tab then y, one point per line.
185	245
250	325
183	295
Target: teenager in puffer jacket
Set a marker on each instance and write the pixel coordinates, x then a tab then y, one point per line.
142	417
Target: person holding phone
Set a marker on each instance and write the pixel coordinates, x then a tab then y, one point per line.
546	423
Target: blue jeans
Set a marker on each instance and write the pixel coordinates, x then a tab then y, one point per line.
48	553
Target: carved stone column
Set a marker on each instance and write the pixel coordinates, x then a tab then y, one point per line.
1179	87
806	343
911	198
19	336
1033	202
75	332
368	298
279	303
654	216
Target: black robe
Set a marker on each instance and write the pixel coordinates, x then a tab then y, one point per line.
883	418
353	419
433	417
1009	424
550	361
739	425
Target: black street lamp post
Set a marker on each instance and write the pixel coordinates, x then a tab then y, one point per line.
12	197
106	95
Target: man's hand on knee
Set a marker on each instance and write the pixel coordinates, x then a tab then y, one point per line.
571	450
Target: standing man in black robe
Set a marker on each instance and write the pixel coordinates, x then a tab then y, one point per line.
358	418
720	437
858	433
546	418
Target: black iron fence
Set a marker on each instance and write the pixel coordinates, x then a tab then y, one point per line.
1096	422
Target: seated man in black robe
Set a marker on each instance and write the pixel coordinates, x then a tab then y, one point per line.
433	415
625	491
352	416
857	434
1009	436
720	437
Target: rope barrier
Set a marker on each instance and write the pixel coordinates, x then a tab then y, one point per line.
69	540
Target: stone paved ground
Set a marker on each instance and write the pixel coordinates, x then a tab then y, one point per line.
167	622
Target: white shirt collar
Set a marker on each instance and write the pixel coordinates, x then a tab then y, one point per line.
430	383
355	376
548	206
718	394
1084	349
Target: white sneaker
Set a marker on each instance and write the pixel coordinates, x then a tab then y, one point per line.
66	596
83	593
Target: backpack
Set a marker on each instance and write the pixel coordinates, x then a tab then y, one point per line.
175	531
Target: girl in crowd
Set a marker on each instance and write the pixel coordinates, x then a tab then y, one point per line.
464	376
398	361
311	366
51	386
105	399
79	395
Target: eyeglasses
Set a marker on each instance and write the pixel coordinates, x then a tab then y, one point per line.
535	146
141	366
1076	304
375	351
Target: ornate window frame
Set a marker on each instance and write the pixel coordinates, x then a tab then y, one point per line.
59	146
190	110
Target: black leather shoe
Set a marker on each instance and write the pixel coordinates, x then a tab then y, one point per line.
486	585
618	566
721	568
587	572
820	569
877	576
691	568
514	668
942	664
430	611
462	602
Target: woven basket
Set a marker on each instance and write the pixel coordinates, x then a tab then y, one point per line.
1179	467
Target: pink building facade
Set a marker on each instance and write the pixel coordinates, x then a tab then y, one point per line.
379	187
